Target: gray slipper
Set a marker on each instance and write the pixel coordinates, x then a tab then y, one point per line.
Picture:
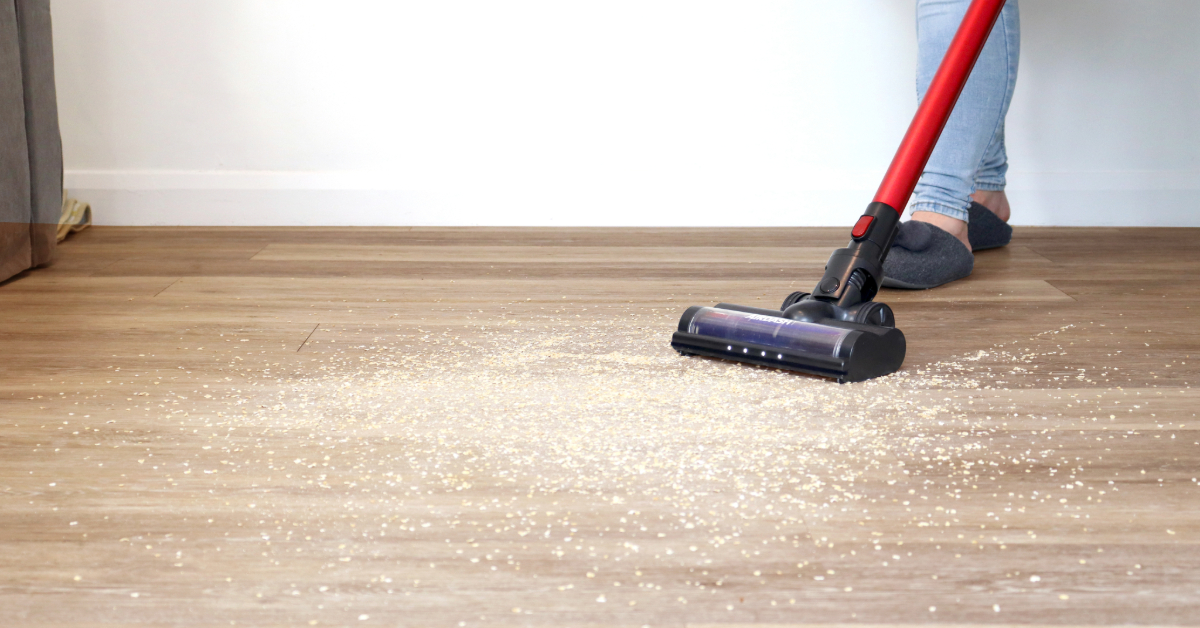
985	230
925	256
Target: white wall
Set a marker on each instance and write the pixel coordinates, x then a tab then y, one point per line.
594	112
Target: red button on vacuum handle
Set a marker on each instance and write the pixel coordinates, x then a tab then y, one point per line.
860	228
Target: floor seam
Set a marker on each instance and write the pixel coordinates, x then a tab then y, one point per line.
256	253
306	338
177	280
1051	284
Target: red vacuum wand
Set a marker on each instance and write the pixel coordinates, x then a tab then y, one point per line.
938	104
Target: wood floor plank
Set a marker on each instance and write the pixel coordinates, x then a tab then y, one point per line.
401	290
544	254
785	255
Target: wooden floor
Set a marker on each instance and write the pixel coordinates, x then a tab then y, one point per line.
466	427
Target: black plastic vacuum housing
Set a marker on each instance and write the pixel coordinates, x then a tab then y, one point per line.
836	331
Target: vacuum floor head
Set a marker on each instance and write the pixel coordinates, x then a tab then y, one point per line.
844	350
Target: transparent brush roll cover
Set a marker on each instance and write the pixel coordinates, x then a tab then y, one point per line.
769	331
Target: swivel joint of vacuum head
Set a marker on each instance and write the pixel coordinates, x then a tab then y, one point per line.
801	306
854	274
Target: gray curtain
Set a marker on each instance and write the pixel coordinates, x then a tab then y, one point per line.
30	145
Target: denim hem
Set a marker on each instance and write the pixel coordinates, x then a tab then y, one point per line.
938	208
988	186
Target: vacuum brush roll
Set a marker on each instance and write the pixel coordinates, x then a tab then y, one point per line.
768	331
845	351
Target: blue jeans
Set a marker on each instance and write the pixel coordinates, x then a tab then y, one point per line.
970	155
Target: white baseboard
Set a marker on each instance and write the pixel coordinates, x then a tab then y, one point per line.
257	198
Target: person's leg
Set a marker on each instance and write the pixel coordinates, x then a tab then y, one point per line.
970	160
992	178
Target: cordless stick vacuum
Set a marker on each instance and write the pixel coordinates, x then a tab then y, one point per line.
837	331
